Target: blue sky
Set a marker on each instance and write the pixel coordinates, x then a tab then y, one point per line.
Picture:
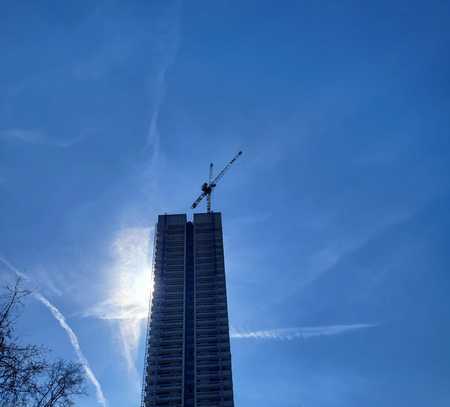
336	217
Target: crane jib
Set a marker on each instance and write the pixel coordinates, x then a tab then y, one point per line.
208	187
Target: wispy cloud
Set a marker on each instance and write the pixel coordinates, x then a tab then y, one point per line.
35	136
69	331
128	297
169	34
299	332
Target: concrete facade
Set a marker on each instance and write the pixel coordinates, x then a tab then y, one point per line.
188	359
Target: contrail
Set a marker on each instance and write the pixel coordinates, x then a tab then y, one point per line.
76	345
299	332
69	331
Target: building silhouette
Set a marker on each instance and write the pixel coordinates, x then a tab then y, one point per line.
188	359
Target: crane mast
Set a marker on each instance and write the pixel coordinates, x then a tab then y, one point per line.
208	187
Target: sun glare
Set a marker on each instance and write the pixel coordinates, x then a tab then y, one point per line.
130	285
133	273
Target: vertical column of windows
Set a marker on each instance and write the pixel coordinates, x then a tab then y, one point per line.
213	358
164	377
189	363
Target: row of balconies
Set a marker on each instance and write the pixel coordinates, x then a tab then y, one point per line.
165	348
217	307
174	249
151	402
168	301
222	349
214	379
204	314
170	399
206	283
172	371
221	326
207	348
219	337
166	361
163	319
205	343
165	335
164	297
158	387
169	291
212	291
166	239
160	319
161	310
208	266
223	353
165	343
164	380
209	269
204	259
211	300
210	288
166	323
207	237
207	372
213	361
205	320
169	273
169	286
219	350
208	250
156	329
172	312
211	251
211	272
161	334
214	399
211	275
163	290
163	354
164	274
203	310
212	330
168	282
204	323
157	376
214	389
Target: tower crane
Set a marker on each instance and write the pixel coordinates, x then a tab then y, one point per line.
208	187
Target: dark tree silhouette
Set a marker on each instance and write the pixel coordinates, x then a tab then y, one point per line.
27	378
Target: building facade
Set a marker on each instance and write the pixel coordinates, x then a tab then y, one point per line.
188	359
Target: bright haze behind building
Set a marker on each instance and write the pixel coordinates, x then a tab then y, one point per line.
335	219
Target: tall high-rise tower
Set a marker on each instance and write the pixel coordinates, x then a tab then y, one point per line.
188	359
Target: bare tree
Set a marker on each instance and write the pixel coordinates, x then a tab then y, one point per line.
27	378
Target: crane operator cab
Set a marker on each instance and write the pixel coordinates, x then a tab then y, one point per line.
206	188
